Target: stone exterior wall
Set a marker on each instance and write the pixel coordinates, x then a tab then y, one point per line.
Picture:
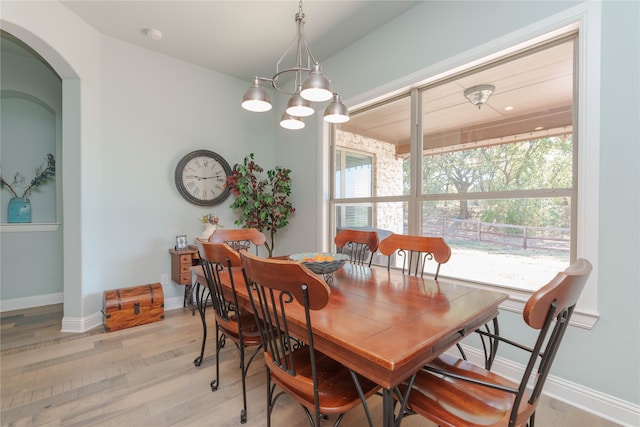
387	179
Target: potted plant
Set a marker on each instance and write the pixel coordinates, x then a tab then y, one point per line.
20	206
263	202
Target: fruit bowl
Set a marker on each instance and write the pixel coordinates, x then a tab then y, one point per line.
321	262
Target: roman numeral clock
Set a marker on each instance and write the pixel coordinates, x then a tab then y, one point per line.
201	178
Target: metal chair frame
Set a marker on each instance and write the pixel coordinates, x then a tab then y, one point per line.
549	310
291	364
359	244
237	239
240	238
231	321
415	251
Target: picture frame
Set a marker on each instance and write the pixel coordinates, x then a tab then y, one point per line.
181	241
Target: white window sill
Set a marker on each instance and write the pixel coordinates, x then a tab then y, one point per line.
582	316
28	227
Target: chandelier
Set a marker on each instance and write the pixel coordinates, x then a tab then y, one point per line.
316	87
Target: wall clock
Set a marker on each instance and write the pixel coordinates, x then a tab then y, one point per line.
201	178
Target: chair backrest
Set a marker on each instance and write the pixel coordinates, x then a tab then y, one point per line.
239	238
359	245
549	309
276	288
214	258
414	251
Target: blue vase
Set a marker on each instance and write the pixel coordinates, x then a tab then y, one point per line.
19	210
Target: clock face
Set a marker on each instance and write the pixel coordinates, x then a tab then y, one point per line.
201	178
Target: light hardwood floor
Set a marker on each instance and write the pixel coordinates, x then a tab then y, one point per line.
145	376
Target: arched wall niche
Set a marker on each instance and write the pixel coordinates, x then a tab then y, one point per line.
69	210
31	94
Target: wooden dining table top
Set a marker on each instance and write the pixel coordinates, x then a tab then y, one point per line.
385	325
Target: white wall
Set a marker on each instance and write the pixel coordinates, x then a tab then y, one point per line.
155	110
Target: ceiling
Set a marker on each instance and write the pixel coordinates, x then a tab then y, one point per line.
533	98
246	38
239	38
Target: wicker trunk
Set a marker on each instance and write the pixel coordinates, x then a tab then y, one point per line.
137	305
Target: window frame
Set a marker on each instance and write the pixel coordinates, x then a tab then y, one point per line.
583	19
346	151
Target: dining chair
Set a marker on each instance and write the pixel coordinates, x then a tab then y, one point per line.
358	244
239	238
415	251
242	238
453	392
322	386
232	322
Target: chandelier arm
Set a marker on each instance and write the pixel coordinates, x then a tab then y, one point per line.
311	60
291	43
302	41
298	78
264	79
274	80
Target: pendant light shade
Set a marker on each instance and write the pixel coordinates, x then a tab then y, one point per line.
316	87
256	99
298	106
291	122
336	111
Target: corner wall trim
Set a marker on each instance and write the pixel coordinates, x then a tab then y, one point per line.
82	324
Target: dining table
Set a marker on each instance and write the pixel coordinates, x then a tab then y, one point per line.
385	325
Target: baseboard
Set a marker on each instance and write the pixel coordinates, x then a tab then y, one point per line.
83	324
29	302
173	303
72	324
586	399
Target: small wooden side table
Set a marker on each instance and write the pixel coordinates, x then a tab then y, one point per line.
181	261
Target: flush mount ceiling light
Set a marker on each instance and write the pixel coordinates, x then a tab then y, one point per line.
316	87
153	33
479	95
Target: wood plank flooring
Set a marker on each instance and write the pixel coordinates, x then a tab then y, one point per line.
145	376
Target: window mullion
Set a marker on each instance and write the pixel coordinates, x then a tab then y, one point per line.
415	186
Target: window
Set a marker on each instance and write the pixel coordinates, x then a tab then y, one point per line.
499	180
354	174
369	185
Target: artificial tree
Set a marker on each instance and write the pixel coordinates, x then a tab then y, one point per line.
263	202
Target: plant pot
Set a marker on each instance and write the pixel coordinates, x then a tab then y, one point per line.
19	210
208	230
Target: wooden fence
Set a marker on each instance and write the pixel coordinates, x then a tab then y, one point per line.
517	236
